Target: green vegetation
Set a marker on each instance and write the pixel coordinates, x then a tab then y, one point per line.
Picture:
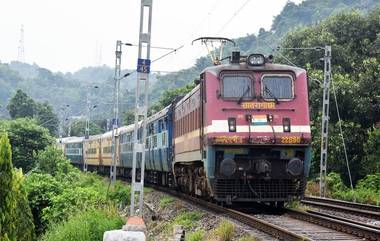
195	236
89	225
15	214
26	138
78	127
224	231
187	220
22	106
367	189
248	238
58	191
165	201
355	42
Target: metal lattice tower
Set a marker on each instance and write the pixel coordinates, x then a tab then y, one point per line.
21	50
141	105
325	120
115	121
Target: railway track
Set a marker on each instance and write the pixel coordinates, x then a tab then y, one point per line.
292	225
370	211
363	207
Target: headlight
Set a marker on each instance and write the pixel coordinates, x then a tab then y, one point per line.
286	124
256	60
232	124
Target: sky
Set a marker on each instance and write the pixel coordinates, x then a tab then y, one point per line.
68	35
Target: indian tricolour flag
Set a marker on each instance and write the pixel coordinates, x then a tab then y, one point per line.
259	119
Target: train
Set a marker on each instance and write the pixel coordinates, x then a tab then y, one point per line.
241	135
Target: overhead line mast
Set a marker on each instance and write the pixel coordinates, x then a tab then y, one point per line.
115	120
141	105
21	50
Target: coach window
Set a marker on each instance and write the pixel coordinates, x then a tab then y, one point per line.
277	87
236	86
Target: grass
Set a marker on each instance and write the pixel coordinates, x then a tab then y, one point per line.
293	204
165	201
224	231
89	225
186	219
196	235
248	238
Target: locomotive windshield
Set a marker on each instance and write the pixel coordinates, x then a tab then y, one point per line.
277	87
237	86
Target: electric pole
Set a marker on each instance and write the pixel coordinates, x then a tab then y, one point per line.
115	121
141	104
88	117
325	120
21	50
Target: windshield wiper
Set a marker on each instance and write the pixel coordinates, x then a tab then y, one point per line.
242	96
271	94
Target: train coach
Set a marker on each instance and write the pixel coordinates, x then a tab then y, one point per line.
241	135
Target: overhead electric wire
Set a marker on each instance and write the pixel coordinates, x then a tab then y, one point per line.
341	134
233	16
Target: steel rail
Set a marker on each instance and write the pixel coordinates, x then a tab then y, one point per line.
357	208
335	224
345	219
362	206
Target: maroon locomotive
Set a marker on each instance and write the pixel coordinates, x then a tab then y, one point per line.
243	134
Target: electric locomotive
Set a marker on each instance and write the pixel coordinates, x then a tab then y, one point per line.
243	134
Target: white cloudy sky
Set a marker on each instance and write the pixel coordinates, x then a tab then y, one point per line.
66	35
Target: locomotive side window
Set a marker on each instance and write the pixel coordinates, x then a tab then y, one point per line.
277	87
237	86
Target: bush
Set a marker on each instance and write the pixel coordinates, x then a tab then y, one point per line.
225	230
72	200
195	236
120	194
89	225
52	161
366	191
187	219
41	189
165	201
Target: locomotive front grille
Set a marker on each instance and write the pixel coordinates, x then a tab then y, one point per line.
258	190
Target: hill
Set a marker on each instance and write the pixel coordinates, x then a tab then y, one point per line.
70	88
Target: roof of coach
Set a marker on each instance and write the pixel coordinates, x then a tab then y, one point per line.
93	137
244	66
128	128
159	114
187	95
107	134
73	139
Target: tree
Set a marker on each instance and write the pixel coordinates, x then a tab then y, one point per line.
372	150
355	42
23	219
52	161
15	214
46	117
169	96
7	198
78	128
21	105
26	137
128	117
